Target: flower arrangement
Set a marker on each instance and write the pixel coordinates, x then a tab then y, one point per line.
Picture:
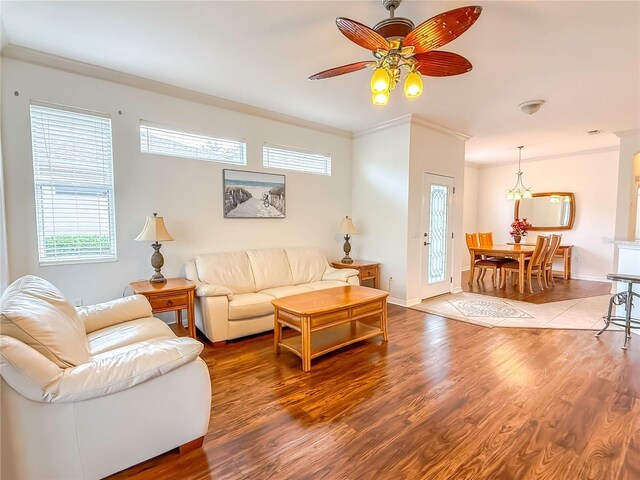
519	227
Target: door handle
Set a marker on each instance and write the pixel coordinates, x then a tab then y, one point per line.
427	243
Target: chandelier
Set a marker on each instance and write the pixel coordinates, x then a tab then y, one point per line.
519	191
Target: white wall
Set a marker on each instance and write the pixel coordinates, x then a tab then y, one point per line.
188	193
380	196
593	178
389	164
629	147
470	205
439	153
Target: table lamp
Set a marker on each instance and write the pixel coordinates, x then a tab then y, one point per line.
154	230
348	229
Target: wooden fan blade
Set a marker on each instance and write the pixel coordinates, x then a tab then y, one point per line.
442	64
362	35
334	72
441	29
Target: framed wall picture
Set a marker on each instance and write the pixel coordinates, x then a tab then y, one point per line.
253	194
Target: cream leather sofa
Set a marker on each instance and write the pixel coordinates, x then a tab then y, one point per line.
235	289
89	392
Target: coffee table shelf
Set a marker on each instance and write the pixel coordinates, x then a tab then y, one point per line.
329	339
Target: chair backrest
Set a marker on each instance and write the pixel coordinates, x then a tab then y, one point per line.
554	243
486	239
472	240
540	252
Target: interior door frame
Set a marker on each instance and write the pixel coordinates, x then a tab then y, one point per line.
424	252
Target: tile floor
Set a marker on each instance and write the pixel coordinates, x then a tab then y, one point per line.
576	314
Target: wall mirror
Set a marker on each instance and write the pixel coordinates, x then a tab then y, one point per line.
548	211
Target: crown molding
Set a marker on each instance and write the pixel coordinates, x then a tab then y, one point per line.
405	119
548	157
635	132
472	164
43	59
412	118
419	120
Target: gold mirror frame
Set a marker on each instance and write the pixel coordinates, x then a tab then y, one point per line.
572	213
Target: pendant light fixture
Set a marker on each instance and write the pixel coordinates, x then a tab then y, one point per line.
519	191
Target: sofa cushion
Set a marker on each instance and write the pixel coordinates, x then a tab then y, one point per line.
231	270
324	284
270	268
248	305
127	333
279	292
307	264
36	313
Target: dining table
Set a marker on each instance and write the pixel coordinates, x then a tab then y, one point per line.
516	252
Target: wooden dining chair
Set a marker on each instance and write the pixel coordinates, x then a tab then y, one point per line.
535	264
486	239
554	244
483	264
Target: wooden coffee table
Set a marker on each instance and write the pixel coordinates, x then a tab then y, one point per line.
328	319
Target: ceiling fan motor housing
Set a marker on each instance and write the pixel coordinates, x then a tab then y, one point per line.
392	28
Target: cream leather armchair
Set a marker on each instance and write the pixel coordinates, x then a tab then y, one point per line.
86	393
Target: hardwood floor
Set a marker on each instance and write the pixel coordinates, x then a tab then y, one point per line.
441	400
563	290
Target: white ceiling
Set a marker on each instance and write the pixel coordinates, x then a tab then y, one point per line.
583	58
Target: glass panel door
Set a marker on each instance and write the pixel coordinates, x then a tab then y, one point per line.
437	236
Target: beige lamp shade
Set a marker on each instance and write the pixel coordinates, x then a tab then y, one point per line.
347	227
154	230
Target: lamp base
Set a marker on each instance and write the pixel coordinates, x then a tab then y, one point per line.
158	278
157	261
347	249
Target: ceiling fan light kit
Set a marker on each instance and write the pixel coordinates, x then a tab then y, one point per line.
398	46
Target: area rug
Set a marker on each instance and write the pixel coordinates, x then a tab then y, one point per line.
577	314
487	308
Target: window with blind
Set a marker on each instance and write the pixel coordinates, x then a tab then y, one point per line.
287	158
73	179
175	143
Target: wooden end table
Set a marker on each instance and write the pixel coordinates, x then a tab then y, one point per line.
328	319
174	295
366	270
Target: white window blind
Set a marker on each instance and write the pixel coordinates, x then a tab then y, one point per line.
73	178
292	159
174	143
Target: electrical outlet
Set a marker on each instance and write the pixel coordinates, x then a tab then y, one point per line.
77	302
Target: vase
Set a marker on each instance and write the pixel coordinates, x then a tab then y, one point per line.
517	238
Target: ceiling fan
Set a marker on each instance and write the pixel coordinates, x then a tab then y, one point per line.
397	43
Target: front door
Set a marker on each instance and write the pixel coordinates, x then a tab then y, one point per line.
437	235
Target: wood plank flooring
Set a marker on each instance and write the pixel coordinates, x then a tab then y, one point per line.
563	290
441	400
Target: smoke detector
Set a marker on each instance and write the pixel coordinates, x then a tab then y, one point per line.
531	107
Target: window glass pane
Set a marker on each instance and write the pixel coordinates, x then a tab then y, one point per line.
174	143
438	233
291	159
73	180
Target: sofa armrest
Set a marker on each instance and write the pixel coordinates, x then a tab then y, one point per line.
26	370
211	290
105	374
342	274
116	311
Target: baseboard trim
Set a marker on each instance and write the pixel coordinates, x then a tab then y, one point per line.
590	278
457	290
403	303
